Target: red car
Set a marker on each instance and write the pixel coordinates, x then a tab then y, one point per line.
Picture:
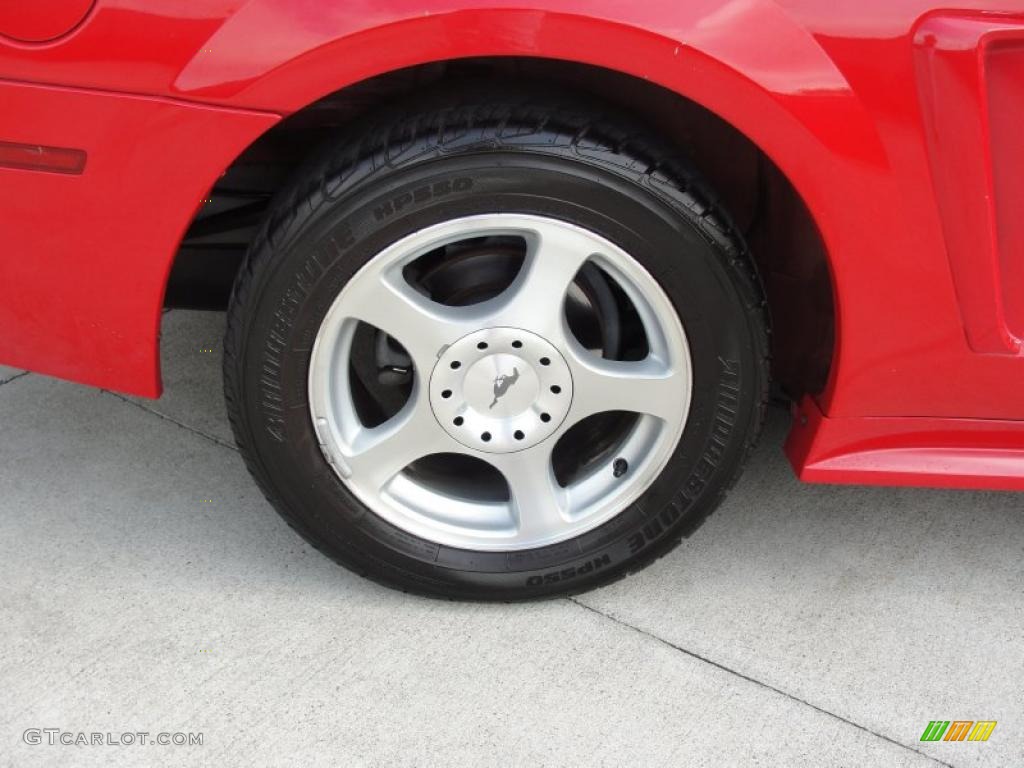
509	286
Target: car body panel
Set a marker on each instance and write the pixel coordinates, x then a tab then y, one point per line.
942	453
42	20
971	77
86	256
856	102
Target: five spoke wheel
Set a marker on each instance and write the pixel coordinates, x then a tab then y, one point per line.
503	381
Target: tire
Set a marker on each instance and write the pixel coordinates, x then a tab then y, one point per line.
580	169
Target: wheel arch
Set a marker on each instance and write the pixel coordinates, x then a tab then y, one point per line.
788	101
790	254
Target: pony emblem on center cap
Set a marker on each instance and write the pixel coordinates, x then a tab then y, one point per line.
502	384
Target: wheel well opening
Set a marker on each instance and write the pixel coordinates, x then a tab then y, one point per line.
788	250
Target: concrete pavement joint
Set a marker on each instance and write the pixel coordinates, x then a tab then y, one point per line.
177	423
755	681
15	377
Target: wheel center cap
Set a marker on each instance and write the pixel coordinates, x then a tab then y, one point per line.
501	385
501	390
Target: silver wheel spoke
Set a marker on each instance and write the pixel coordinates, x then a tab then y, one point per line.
536	297
537	502
645	387
421	326
382	452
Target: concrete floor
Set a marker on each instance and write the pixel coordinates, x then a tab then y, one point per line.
147	586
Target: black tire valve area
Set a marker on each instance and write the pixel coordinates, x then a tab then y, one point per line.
620	467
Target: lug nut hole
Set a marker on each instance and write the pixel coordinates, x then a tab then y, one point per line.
545	361
446	394
486	437
458	421
482	345
518	435
517	344
545	417
456	364
555	388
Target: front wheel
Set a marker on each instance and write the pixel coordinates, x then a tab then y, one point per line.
496	351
